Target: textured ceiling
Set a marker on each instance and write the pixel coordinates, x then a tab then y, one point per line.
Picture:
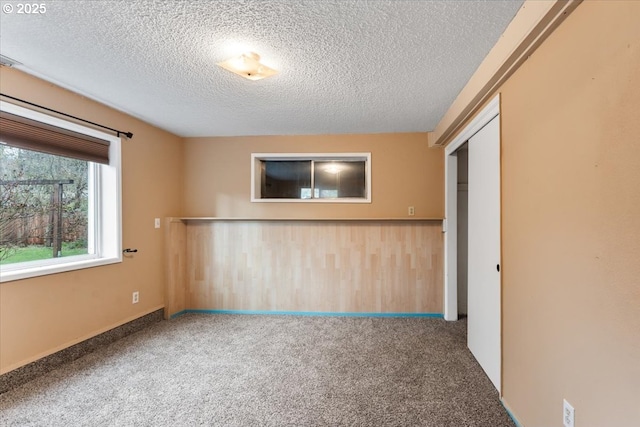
345	66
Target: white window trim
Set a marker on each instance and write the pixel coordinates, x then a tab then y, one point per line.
255	175
107	215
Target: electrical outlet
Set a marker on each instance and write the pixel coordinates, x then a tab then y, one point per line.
568	414
412	211
157	222
135	298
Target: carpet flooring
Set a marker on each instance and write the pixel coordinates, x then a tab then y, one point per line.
244	370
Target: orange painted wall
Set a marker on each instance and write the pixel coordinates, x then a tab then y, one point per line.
571	222
41	315
405	172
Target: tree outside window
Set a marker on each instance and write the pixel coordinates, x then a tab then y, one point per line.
44	201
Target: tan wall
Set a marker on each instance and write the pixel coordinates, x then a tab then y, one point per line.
571	222
405	172
41	315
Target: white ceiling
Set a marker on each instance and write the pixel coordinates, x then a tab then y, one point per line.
345	66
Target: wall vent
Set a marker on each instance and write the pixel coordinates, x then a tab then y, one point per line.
8	62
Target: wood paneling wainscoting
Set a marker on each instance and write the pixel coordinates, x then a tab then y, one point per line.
373	266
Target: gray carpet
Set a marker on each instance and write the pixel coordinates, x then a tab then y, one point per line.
242	370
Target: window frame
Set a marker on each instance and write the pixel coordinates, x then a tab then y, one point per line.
256	176
105	213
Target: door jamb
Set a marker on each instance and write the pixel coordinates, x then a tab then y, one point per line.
450	224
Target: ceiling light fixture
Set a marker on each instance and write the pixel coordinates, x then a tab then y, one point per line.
248	66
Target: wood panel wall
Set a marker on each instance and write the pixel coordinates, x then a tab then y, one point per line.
175	266
313	266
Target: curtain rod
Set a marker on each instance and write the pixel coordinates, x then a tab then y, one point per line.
118	132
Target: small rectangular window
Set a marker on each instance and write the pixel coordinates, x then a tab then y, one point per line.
282	179
340	179
311	177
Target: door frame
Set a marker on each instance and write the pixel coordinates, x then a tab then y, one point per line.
450	223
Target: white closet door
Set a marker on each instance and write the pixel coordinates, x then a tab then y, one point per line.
483	327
